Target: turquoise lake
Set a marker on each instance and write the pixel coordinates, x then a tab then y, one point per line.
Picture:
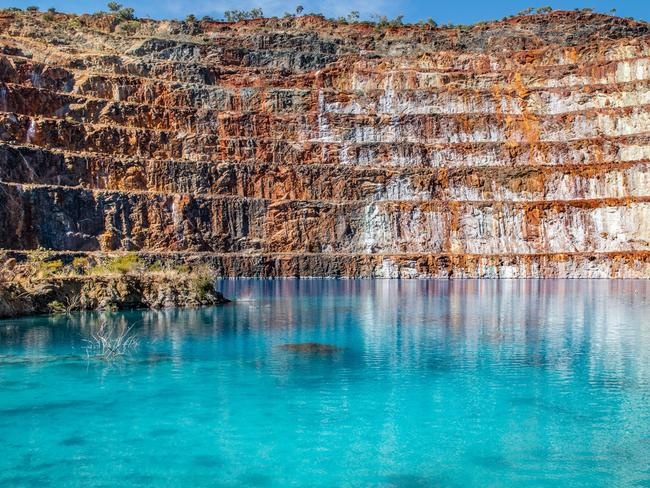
436	384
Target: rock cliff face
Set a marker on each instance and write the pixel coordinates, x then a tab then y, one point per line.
302	147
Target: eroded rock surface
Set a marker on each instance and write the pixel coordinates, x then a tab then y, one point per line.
302	147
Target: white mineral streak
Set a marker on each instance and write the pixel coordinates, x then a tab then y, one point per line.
401	188
3	99
543	102
410	115
634	181
323	124
31	131
504	230
387	230
615	184
488	268
177	216
36	79
634	152
117	93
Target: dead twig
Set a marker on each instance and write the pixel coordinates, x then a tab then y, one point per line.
109	343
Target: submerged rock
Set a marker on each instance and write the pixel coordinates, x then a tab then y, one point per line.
312	347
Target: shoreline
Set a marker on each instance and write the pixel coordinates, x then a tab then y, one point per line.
63	295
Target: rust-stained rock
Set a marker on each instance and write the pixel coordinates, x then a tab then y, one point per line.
304	147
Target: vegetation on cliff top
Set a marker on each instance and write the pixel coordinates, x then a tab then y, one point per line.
43	264
126	18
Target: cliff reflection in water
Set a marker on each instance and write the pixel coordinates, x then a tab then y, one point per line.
444	324
350	383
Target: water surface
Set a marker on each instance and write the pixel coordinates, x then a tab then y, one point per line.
434	383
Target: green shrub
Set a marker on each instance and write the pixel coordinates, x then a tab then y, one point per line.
56	307
126	13
129	263
383	22
237	15
155	267
202	283
80	264
353	16
32	8
48	269
130	26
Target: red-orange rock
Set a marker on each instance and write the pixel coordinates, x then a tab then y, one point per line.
304	147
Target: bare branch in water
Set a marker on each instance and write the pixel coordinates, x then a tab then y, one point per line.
110	342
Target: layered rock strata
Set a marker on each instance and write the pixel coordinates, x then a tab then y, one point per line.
302	147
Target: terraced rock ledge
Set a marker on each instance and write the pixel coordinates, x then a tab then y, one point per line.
304	147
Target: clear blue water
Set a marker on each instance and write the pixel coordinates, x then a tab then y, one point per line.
462	383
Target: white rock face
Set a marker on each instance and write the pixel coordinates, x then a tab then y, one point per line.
578	137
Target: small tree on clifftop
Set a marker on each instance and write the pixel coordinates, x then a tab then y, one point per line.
126	13
237	15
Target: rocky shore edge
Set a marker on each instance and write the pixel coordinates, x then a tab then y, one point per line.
64	295
44	284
